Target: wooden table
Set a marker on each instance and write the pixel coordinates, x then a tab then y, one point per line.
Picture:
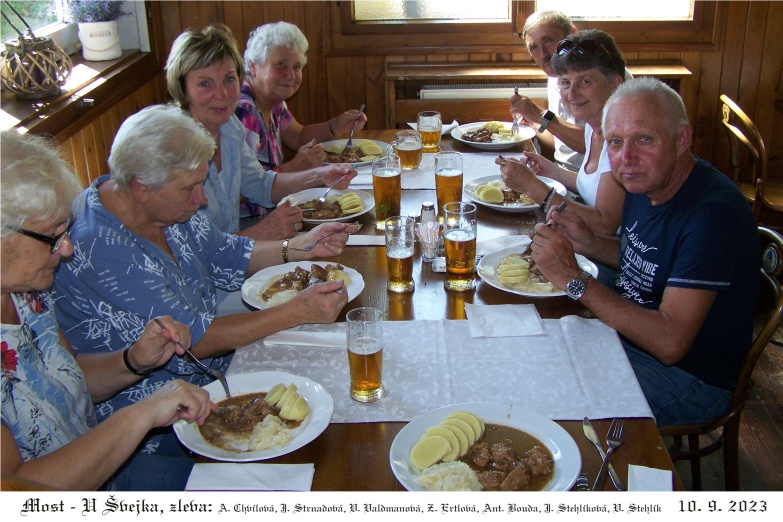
355	457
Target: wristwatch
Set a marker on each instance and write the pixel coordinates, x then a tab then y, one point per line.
576	287
545	120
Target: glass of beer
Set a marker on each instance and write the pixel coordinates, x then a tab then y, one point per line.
429	125
386	188
399	253
364	331
448	178
459	238
408	147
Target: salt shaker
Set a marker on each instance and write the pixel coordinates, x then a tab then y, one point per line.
416	220
427	211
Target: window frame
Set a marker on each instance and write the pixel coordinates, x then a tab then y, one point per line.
700	34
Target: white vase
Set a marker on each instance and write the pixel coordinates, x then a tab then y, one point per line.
100	40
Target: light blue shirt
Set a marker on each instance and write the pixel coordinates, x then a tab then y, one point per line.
46	403
241	174
116	282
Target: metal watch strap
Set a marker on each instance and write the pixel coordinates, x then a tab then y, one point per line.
546	120
577	287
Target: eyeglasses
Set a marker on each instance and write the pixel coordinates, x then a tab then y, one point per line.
55	241
583	48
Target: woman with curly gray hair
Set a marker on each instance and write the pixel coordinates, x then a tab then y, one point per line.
274	60
49	431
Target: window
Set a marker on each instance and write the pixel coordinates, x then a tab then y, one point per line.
438	11
606	10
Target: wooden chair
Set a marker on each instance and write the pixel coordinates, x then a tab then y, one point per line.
748	165
771	277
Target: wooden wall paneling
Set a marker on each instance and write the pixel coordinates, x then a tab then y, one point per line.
355	92
76	144
313	21
241	18
770	76
376	92
752	54
172	24
190	16
336	81
689	87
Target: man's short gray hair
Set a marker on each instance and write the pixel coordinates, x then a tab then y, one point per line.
36	184
671	103
278	34
154	142
556	18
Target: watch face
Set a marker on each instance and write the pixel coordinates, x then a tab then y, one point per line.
576	289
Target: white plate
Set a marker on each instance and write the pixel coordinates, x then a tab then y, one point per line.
319	400
568	460
356	142
524	131
470	192
368	202
256	283
487	270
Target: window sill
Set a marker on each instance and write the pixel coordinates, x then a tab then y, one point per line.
103	83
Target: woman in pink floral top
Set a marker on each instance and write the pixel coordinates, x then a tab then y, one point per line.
50	433
275	57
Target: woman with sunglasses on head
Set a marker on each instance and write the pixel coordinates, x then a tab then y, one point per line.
589	67
49	429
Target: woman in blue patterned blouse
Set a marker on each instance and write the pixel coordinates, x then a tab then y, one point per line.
49	431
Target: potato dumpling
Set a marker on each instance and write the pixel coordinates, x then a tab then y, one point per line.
275	393
334	275
464	426
491	195
428	451
449	436
370	149
471	419
290	391
461	438
299	410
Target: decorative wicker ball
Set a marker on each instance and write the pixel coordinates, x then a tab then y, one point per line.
34	68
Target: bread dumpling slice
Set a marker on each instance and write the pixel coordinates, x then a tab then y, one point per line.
465	427
461	438
428	451
448	435
299	410
290	391
274	394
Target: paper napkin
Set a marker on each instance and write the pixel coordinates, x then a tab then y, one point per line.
642	478
509	320
365	240
446	128
499	243
232	476
303	338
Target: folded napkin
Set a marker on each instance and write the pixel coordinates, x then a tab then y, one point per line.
246	476
365	240
642	478
444	129
510	320
303	338
499	243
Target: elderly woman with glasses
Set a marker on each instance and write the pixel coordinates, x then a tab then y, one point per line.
589	67
49	429
275	58
204	74
142	248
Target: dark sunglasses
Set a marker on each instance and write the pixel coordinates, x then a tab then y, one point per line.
583	48
54	241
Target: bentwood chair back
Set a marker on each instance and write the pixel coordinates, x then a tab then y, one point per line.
771	302
748	165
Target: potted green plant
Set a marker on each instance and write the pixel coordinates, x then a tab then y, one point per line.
98	27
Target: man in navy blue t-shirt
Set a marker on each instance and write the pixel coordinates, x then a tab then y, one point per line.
688	256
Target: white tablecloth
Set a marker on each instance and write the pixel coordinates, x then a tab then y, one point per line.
474	165
577	369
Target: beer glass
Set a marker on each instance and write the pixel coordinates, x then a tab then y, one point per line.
386	188
399	254
364	332
429	125
459	237
448	178
408	147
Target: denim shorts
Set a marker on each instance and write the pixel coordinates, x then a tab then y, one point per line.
674	395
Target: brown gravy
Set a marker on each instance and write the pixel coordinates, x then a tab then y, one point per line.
521	442
235	419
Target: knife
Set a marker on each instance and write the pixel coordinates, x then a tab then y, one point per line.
592	436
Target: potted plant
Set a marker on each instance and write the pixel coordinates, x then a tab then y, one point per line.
98	28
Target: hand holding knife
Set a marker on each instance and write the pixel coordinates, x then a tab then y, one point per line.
592	436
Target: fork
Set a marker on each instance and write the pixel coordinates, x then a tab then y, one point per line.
515	125
217	374
349	145
312	245
614	438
